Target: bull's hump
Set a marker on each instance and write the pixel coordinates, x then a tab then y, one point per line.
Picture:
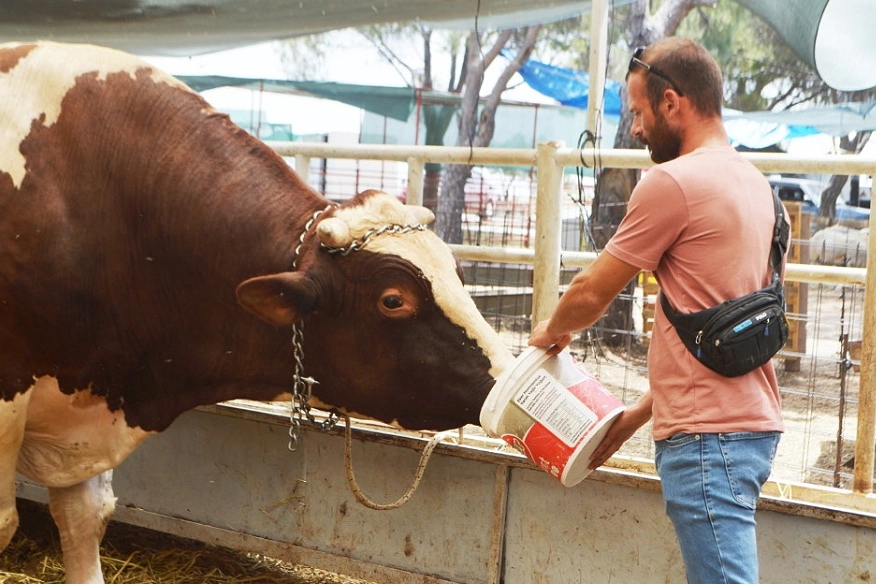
34	80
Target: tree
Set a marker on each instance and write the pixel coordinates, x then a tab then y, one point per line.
613	185
475	116
436	116
762	73
465	77
476	127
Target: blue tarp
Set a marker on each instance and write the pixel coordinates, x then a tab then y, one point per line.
753	130
569	87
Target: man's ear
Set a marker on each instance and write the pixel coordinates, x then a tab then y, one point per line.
671	100
278	299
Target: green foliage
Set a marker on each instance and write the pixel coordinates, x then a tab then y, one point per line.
760	70
303	57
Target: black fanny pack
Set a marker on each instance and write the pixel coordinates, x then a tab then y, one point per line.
739	335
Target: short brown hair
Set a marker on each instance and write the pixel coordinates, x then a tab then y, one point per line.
691	67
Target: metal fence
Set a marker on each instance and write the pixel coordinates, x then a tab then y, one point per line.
516	268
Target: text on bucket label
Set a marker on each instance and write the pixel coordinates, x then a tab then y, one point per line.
546	399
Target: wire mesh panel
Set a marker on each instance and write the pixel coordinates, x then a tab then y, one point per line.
818	370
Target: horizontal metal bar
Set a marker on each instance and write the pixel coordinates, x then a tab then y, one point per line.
810	273
566	157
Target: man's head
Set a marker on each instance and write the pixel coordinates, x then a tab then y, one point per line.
671	82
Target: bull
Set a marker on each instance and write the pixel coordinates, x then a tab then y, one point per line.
156	258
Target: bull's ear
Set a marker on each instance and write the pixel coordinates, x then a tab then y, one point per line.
278	299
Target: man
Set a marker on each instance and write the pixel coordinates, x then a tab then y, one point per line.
702	220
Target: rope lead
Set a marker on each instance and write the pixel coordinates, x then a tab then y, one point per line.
354	486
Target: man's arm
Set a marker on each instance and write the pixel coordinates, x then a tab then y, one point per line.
587	297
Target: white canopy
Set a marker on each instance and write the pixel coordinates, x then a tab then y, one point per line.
190	27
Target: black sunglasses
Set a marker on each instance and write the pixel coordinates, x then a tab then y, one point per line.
636	60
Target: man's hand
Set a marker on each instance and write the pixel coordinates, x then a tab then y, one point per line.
621	430
553	343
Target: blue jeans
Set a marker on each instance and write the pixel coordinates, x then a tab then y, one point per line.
711	483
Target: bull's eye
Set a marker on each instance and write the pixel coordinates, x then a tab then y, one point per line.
392	302
395	303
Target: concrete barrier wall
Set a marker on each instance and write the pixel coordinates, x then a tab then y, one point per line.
224	475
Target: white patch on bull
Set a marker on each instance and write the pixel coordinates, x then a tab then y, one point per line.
425	250
37	84
12	417
69	438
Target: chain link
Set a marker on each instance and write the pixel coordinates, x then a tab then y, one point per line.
358	244
307	227
302	387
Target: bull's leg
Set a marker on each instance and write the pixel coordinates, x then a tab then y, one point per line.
81	513
13	415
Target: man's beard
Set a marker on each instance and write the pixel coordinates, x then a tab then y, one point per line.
664	143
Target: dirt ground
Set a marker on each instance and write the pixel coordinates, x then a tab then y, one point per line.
132	555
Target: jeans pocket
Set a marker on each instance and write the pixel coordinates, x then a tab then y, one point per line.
674	443
748	459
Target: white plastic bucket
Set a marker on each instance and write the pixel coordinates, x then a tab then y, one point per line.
552	410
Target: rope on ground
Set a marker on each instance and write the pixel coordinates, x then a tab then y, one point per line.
354	486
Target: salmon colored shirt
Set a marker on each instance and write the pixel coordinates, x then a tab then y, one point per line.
703	224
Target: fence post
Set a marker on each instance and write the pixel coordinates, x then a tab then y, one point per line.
415	181
302	166
546	267
598	64
866	431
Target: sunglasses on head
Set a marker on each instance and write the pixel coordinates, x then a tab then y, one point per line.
637	61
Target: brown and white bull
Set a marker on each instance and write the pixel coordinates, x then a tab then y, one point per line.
155	257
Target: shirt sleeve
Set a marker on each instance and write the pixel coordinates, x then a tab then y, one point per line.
656	217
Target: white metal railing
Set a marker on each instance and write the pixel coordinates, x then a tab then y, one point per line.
546	256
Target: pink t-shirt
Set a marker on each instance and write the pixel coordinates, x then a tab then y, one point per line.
703	223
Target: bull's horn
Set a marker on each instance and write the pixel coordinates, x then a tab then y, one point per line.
334	232
421	214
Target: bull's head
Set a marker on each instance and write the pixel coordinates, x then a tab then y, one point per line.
389	331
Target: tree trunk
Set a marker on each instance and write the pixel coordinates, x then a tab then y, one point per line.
437	119
476	131
827	205
448	220
614	186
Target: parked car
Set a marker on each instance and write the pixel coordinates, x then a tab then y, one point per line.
808	192
863	196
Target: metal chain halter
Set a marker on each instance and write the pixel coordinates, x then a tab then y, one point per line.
302	387
358	244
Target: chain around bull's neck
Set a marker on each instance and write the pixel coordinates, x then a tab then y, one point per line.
302	387
307	226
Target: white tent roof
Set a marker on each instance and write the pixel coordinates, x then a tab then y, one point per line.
835	120
189	27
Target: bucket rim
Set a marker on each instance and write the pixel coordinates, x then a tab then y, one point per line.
506	386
